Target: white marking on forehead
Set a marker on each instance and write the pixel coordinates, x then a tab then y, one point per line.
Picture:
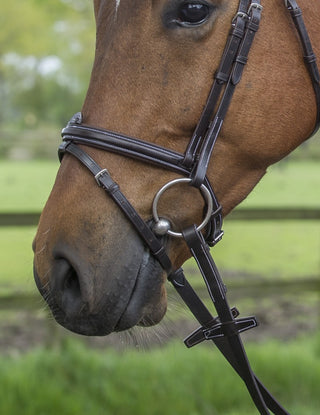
116	11
117	5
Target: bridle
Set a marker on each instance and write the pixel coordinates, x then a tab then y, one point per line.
224	330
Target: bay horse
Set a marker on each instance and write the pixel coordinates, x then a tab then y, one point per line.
153	70
150	79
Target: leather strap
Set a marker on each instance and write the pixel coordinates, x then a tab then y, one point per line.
208	322
240	60
309	56
225	329
106	182
221	78
80	133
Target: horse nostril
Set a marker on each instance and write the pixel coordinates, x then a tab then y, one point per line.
72	283
66	288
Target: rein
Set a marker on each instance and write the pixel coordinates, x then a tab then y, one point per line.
225	329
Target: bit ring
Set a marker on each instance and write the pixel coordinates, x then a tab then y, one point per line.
206	196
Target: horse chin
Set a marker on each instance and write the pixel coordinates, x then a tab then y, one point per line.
147	304
141	301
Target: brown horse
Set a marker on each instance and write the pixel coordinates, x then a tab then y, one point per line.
150	79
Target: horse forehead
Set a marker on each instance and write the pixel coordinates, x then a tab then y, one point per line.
126	7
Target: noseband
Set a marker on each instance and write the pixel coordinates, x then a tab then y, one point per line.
224	330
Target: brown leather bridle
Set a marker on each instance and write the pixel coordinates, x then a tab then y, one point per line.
225	329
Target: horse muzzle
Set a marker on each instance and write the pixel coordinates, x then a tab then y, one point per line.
96	297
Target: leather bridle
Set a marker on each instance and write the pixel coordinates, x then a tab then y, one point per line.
224	330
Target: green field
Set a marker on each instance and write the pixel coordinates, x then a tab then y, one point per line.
171	381
25	186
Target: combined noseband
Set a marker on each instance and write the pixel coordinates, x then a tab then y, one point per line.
224	330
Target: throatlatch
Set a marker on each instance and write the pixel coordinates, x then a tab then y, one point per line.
225	329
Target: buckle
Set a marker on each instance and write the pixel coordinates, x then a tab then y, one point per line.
216	239
254	6
242	15
98	175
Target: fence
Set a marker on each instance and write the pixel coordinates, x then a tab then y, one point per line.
258	214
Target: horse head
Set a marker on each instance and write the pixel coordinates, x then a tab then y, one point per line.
153	70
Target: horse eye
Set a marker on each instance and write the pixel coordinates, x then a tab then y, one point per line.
187	13
191	13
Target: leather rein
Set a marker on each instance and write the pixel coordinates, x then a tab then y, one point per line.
224	330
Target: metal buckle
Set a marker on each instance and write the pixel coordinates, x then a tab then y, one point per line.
205	193
243	16
217	238
254	6
98	175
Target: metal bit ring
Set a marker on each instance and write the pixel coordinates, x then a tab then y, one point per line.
205	193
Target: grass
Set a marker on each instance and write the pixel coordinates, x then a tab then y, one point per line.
25	186
16	259
287	183
171	381
274	249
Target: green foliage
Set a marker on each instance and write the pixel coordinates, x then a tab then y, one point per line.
45	61
43	28
46	55
173	381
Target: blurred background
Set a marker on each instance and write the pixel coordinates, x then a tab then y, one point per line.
269	259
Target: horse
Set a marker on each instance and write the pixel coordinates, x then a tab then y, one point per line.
153	69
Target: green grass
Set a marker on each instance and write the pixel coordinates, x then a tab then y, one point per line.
287	183
16	259
25	186
272	249
171	381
